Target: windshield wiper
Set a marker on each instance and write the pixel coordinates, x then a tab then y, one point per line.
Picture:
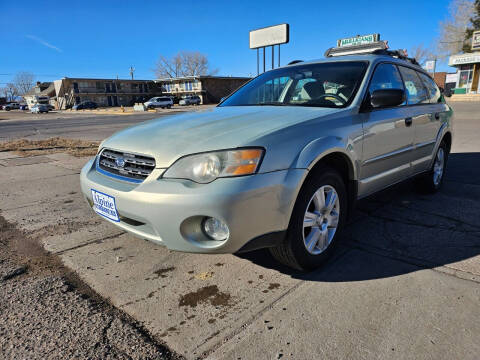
272	103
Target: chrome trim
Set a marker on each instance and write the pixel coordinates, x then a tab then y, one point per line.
115	176
426	143
388	155
385	173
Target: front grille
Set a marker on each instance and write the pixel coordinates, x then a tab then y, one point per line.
127	165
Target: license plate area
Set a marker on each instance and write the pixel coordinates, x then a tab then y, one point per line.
105	205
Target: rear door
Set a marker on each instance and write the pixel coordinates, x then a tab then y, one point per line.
426	133
422	115
388	136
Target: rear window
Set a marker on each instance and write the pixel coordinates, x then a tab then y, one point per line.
435	95
416	91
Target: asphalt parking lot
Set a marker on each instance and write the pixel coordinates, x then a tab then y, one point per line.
404	284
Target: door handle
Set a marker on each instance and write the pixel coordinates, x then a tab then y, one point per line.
437	116
408	121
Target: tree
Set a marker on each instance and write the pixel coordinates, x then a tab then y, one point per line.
475	25
23	82
9	91
452	29
184	63
421	54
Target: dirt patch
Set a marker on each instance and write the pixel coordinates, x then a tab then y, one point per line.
162	272
273	286
38	291
24	147
207	294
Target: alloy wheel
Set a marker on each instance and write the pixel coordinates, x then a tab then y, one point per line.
321	219
438	166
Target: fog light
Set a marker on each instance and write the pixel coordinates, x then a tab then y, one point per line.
216	229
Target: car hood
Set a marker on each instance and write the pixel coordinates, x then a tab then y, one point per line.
169	138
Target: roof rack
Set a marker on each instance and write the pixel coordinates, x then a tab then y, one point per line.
399	54
376	48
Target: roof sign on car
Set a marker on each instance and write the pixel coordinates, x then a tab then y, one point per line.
359	44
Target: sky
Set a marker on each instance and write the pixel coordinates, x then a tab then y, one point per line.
102	39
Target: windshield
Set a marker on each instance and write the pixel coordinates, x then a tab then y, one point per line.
325	85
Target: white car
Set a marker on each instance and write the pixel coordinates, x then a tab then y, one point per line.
161	102
190	100
39	108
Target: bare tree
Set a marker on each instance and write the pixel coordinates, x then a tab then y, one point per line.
184	63
452	29
10	92
23	81
421	54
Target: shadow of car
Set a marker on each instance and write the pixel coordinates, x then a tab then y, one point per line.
397	223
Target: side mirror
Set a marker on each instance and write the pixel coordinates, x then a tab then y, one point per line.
387	98
447	93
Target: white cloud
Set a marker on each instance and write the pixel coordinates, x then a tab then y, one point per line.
43	42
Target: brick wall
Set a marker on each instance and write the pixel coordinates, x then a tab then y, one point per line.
440	78
216	88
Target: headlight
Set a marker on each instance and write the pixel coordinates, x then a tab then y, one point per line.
206	167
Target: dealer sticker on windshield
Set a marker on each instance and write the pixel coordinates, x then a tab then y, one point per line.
104	205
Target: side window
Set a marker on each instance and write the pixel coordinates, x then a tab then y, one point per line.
416	91
433	90
386	76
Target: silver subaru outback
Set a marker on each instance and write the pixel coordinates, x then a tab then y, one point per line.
280	162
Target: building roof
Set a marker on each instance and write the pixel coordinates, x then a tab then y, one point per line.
45	89
204	77
97	79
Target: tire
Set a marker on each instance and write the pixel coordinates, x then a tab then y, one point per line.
293	250
432	181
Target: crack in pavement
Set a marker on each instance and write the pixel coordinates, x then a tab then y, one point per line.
94	241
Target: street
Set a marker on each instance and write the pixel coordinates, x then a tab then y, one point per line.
404	284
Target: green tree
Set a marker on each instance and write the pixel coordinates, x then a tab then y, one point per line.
475	26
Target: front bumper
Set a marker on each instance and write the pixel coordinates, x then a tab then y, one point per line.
170	212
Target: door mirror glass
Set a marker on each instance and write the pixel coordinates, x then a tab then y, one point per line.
387	98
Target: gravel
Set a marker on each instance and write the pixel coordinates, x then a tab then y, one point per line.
47	312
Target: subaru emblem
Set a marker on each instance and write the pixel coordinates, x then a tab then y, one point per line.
120	162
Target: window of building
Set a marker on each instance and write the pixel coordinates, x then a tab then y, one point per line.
99	85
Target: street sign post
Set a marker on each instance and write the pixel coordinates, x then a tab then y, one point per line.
269	36
430	66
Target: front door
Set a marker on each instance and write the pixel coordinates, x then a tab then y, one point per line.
388	137
109	99
115	101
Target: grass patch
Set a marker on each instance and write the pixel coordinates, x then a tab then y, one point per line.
24	147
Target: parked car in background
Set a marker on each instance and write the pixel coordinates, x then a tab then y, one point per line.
85	105
39	108
23	107
50	107
161	102
190	100
11	106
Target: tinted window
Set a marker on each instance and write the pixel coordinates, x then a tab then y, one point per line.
433	90
416	92
386	76
330	84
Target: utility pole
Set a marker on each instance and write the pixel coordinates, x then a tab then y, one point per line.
132	70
